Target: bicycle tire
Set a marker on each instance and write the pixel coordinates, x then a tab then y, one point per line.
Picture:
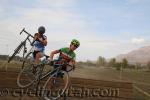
26	77
16	51
25	59
47	94
40	74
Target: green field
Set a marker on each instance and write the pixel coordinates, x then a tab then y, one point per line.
139	78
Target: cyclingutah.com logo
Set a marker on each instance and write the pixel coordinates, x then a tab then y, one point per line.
79	92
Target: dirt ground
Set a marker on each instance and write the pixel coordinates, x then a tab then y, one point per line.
139	78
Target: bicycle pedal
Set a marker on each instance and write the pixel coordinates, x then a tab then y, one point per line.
34	71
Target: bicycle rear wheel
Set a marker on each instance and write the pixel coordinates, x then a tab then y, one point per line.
28	60
26	77
55	87
16	51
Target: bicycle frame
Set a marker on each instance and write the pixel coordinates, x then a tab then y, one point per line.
54	71
27	38
22	45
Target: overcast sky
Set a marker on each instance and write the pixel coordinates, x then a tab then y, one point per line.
104	27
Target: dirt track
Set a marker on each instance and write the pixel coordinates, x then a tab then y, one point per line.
97	89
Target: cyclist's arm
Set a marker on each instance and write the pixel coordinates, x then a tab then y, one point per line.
36	37
44	42
72	63
53	53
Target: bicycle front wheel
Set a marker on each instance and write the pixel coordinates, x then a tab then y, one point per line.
55	87
26	77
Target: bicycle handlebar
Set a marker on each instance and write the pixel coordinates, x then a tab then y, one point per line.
23	30
54	62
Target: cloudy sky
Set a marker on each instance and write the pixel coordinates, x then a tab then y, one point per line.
104	27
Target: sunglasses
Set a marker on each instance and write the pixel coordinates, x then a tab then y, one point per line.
75	45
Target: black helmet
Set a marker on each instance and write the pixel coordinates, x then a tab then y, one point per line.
41	29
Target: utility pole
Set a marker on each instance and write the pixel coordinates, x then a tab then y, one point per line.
6	65
7	49
121	72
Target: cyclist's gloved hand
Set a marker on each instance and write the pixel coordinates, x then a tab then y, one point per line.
50	61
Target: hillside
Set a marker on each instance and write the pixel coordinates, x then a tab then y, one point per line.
141	55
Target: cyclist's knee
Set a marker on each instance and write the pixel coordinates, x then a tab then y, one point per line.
38	55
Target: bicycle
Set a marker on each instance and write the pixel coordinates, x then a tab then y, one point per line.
22	45
27	78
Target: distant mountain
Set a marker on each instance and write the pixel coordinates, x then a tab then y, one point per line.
141	55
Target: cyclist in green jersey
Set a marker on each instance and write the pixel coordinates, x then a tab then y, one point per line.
67	54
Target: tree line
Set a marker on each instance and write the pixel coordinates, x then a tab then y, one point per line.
113	63
101	61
